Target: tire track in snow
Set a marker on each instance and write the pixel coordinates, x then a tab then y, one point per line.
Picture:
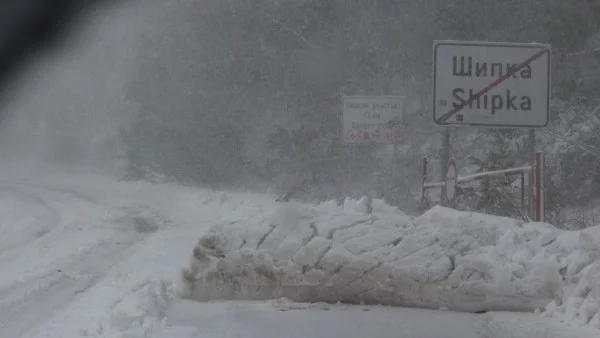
41	299
51	222
29	303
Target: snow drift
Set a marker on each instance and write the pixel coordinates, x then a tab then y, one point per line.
581	300
138	313
442	259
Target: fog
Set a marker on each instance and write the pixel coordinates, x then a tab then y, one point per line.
247	95
68	104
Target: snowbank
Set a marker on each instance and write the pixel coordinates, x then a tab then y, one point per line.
442	259
138	314
581	302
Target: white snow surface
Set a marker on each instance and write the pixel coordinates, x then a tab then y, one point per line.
101	258
442	259
89	256
97	257
264	319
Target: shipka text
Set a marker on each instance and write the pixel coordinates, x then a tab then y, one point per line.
466	66
493	103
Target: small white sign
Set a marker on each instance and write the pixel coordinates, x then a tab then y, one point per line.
491	84
369	119
450	183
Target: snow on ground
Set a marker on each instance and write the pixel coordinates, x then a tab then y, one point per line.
102	258
22	218
107	245
443	259
263	319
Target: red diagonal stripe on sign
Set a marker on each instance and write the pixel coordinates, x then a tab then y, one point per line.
492	85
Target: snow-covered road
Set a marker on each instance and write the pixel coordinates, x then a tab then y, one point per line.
94	257
293	320
247	319
62	247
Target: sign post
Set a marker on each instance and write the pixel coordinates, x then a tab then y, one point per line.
530	178
445	158
491	84
450	181
372	119
539	187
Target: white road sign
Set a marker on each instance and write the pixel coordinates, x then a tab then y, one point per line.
372	119
491	84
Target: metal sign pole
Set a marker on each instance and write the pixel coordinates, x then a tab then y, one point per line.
450	183
350	170
522	193
531	157
395	162
445	158
539	187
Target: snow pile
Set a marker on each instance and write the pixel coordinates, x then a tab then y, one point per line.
139	313
581	295
442	259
